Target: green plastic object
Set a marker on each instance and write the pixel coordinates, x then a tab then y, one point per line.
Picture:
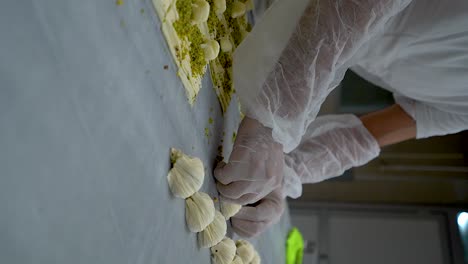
294	247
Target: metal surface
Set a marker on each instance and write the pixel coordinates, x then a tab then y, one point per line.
87	116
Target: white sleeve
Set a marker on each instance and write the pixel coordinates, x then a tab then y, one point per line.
432	121
331	145
282	77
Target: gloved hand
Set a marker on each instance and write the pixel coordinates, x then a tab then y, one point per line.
252	220
255	166
331	145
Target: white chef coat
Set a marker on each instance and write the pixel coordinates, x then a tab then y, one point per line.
422	57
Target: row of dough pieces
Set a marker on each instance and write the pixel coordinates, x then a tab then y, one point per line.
200	14
185	180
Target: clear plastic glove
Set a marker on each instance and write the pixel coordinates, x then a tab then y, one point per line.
298	53
252	220
331	145
255	166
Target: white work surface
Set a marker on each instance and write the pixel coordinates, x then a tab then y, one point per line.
87	117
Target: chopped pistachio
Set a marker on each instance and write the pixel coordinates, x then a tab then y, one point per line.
186	30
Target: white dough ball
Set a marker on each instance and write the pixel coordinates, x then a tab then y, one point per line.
211	49
245	250
223	252
249	5
237	260
214	232
200	11
186	176
256	259
229	209
226	45
199	211
238	9
219	6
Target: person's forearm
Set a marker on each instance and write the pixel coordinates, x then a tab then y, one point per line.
390	126
286	94
335	143
332	144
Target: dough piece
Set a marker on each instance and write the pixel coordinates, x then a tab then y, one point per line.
211	49
214	232
237	260
219	6
199	211
229	209
200	11
243	33
249	5
226	45
186	176
256	259
238	9
245	250
223	252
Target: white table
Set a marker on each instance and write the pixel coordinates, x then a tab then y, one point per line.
87	116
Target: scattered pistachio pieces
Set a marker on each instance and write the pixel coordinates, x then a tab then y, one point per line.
219	156
119	2
186	30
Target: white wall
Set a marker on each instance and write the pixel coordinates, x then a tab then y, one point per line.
384	240
309	227
371	238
